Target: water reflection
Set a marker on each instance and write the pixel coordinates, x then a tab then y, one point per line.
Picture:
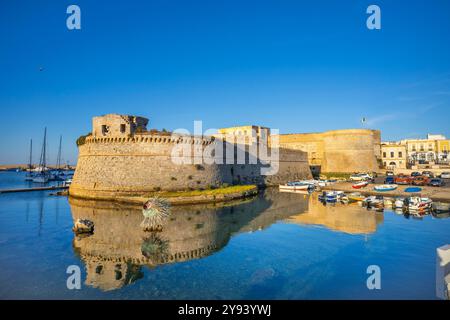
351	219
114	254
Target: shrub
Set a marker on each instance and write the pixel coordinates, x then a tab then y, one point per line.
82	139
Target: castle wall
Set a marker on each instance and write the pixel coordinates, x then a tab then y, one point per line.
113	166
338	151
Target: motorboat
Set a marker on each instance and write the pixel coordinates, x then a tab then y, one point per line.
441	207
386	187
67	182
295	186
374	201
418	203
360	185
388	202
333	196
355	197
399	203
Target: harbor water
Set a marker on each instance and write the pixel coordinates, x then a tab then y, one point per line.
274	246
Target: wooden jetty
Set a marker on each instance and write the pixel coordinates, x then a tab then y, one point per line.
34	189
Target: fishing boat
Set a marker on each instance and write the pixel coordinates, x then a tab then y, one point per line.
333	196
386	187
418	204
295	186
374	201
360	185
355	197
388	202
29	175
440	207
399	203
43	175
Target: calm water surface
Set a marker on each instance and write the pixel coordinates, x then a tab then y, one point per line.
277	246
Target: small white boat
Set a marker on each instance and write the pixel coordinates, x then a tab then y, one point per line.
388	202
296	186
374	201
360	185
399	203
386	187
67	182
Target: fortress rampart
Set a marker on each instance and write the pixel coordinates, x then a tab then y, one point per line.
122	158
349	150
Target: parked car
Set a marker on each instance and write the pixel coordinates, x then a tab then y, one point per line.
445	175
389	173
389	180
428	174
436	182
360	177
416	174
421	181
403	179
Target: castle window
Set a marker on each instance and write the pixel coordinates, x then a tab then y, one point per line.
122	128
400	154
392	155
384	154
104	129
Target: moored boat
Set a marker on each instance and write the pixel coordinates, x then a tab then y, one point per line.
441	207
355	197
295	186
374	201
360	185
386	187
399	203
418	204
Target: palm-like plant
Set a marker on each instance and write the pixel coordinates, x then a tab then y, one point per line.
156	210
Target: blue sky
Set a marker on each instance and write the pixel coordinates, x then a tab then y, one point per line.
299	66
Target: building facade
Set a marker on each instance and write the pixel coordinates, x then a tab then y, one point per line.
432	150
394	155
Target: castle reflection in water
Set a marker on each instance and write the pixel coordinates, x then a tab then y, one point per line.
119	248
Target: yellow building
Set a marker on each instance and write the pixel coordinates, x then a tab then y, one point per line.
443	149
433	149
394	155
245	134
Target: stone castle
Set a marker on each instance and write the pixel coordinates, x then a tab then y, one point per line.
122	157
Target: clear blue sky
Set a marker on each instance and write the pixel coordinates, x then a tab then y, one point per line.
299	66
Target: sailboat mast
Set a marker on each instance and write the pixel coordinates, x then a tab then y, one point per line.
58	160
31	154
44	152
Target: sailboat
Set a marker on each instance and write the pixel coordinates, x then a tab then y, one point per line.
42	176
58	174
29	176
